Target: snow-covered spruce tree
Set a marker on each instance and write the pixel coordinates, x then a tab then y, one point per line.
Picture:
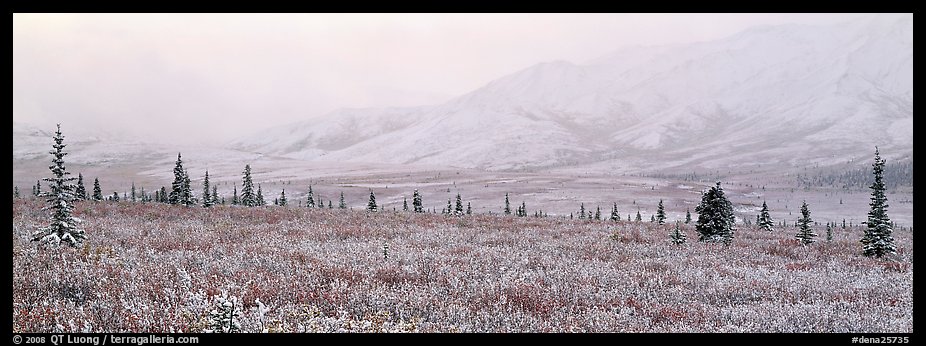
652	218
715	217
449	206
829	232
132	196
37	191
582	211
523	209
224	317
615	216
660	213
97	191
678	237
371	205
259	199
180	189
687	216
207	199
805	234
330	206
598	213
458	208
115	197
235	200
164	195
469	209
248	199
343	205
639	217
416	202
15	191
507	205
282	198
765	220
878	239
310	198
81	192
404	202
60	198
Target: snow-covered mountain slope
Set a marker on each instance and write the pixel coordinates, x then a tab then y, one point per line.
779	95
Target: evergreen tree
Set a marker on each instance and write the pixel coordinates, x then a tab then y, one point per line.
805	234
310	199
207	200
458	210
678	237
765	220
507	205
80	193
371	206
715	217
615	216
469	209
330	206
878	239
164	195
260	197
97	191
416	202
582	211
215	195
115	197
639	217
598	213
133	199
404	202
523	209
687	216
38	188
449	206
343	205
282	198
652	218
829	232
180	189
248	199
235	200
660	213
15	191
63	225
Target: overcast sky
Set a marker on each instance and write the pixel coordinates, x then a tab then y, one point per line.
214	77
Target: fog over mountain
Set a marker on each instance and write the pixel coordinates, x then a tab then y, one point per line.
770	95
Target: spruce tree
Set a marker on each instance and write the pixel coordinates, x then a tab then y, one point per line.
829	232
639	217
660	213
330	206
259	199
615	216
416	202
282	199
343	205
404	202
132	196
678	237
765	220
507	205
63	225
371	205
878	239
652	218
207	200
248	199
38	188
310	199
164	195
598	213
235	200
15	191
115	197
80	192
449	206
469	209
805	234
458	210
687	216
523	209
215	195
582	211
715	217
180	188
97	191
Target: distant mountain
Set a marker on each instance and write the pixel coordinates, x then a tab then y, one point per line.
772	95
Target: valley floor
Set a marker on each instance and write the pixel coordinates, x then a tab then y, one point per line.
158	268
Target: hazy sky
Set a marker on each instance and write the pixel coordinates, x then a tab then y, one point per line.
214	77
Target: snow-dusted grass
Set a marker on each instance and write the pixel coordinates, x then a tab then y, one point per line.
152	267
